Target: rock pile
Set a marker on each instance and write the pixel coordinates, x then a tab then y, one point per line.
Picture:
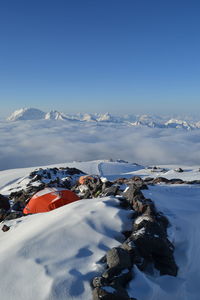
34	182
41	178
147	245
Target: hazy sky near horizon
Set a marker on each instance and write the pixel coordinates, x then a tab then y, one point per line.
109	55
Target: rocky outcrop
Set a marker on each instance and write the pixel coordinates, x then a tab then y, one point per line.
146	245
41	178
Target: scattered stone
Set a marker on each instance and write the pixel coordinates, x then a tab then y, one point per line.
179	170
5	228
160	180
192	182
176	181
148	180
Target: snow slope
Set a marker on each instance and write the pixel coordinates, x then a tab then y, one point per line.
54	255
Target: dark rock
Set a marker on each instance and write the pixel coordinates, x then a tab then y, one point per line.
179	170
132	192
127	233
4	202
153	246
193	182
117	260
3	214
148	179
136	178
162	220
120	180
37	177
150	226
160	180
94	185
143	205
130	246
5	228
110	293
176	181
122	279
99	281
138	181
118	281
18	206
14	215
118	257
73	171
111	191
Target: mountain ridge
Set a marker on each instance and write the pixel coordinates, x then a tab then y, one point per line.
26	114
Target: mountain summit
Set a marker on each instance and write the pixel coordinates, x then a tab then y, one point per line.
26	114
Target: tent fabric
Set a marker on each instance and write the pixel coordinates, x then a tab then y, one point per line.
49	199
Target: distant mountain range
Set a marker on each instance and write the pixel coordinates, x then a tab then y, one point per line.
150	121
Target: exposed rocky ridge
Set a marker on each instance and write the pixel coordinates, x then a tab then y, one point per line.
147	244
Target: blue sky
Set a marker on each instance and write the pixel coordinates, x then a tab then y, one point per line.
100	55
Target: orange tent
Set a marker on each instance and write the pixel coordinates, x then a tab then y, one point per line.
49	199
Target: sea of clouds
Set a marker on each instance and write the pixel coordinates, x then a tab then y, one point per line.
34	143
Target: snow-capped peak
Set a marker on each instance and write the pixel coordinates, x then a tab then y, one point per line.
173	123
55	115
104	117
88	118
26	114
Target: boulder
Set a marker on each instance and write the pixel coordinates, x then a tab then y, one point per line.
153	245
4	202
143	205
110	191
110	293
160	180
176	181
117	260
5	228
131	192
148	180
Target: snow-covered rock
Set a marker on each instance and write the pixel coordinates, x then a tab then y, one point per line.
173	123
105	118
55	115
88	118
26	114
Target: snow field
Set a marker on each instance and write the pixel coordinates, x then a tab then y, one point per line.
55	255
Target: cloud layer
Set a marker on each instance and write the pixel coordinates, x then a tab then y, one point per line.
31	143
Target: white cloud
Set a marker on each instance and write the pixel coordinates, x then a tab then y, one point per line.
33	143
